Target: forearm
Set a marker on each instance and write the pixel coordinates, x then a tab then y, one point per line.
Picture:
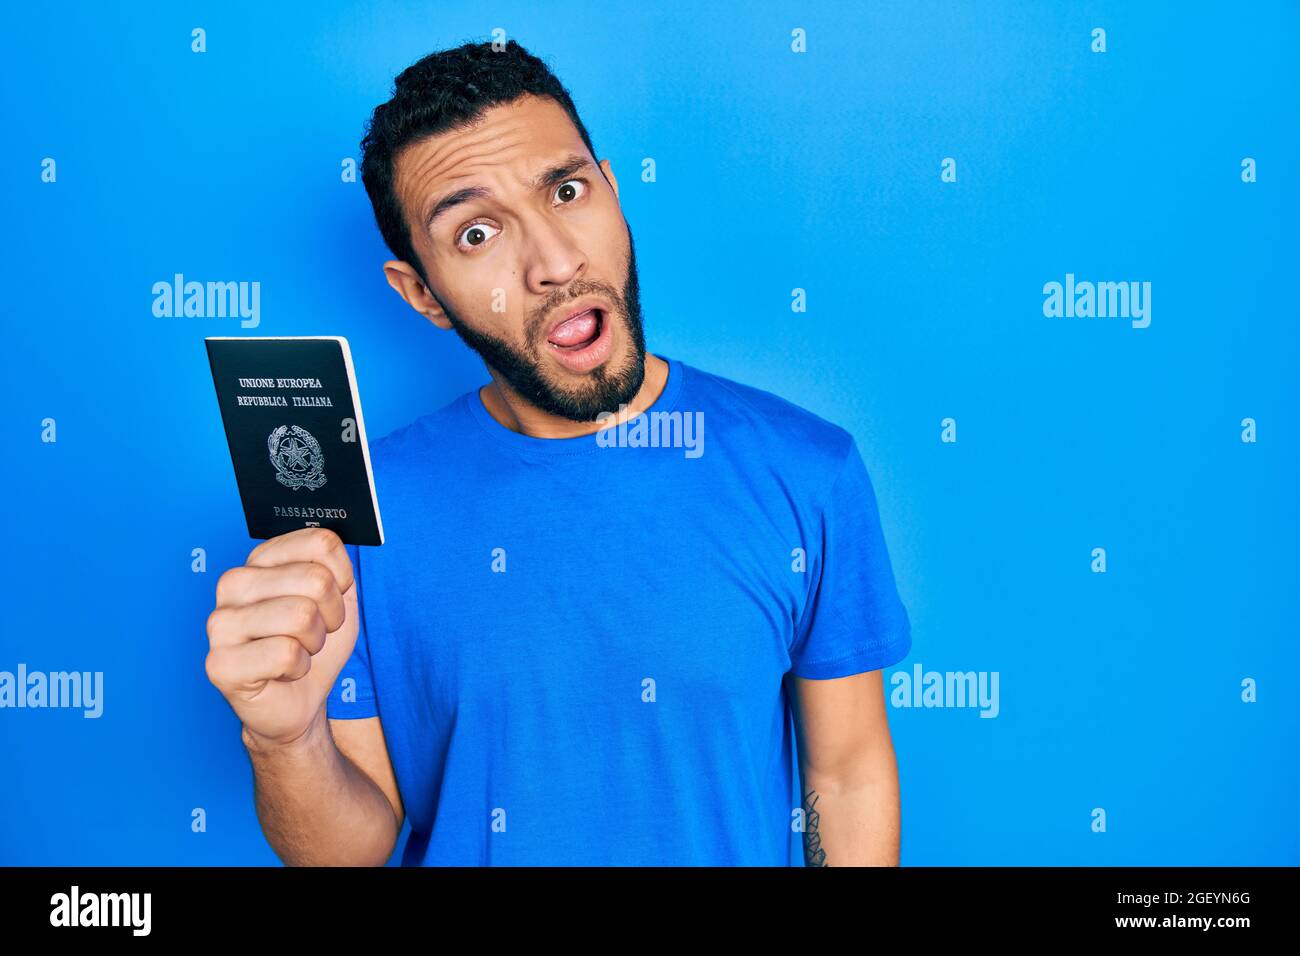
852	818
316	807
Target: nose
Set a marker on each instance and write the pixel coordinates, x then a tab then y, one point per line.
554	256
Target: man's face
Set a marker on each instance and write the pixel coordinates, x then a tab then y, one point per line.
517	229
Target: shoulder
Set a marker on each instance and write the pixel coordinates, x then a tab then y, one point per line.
774	423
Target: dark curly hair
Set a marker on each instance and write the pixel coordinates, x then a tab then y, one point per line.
445	90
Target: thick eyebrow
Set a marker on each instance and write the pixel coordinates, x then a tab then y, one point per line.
544	180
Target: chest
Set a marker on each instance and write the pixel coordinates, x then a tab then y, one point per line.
668	605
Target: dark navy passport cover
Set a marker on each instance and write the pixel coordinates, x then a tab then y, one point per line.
297	440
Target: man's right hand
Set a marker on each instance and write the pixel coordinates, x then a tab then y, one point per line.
283	627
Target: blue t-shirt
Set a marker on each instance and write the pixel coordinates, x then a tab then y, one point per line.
578	647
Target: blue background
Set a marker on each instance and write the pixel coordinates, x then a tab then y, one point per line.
819	171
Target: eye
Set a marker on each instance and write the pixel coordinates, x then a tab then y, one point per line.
475	234
568	189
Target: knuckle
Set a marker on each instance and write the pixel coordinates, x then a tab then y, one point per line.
291	656
319	581
326	539
227	584
215	618
305	613
256	551
212	667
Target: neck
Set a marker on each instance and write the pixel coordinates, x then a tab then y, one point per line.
518	415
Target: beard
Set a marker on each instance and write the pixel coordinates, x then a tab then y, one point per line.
604	390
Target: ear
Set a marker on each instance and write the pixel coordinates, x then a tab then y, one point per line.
609	175
408	284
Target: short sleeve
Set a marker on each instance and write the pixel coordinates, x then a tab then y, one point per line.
353	693
854	620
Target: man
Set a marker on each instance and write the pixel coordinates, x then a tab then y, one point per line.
591	637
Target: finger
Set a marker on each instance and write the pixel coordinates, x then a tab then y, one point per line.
306	544
248	666
243	585
290	615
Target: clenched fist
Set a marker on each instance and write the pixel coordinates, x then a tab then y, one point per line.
283	627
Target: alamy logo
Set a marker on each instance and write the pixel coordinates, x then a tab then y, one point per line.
102	909
1100	300
70	689
296	455
208	300
946	689
653	430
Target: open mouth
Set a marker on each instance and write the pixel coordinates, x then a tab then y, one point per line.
582	342
578	332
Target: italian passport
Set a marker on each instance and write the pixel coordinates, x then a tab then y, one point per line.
292	415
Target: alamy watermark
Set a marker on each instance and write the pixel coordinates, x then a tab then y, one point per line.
69	689
211	300
653	430
921	688
1099	300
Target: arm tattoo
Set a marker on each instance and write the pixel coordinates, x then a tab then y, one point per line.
813	853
